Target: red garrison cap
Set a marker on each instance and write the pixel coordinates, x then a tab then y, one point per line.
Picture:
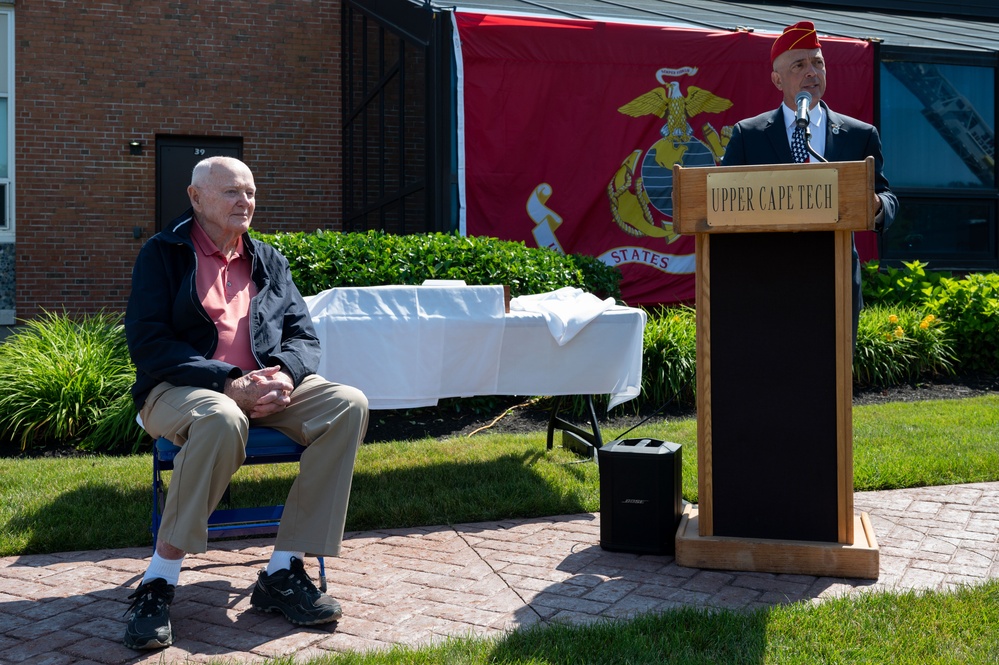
799	35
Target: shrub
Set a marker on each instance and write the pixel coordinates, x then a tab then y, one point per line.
324	260
969	306
909	285
669	362
896	344
68	381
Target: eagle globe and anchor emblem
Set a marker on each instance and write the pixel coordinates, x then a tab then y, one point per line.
643	185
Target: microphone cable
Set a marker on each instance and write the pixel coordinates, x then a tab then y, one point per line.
657	411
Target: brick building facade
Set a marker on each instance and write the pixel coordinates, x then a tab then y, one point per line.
347	112
89	78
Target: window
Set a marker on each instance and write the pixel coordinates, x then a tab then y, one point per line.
6	124
938	129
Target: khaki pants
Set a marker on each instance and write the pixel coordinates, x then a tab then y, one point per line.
329	418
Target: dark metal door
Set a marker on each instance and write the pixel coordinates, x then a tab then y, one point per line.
175	159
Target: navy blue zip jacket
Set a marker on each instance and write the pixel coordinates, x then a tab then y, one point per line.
170	336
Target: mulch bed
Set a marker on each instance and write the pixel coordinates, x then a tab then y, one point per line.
518	415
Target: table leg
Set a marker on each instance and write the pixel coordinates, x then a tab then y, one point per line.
589	438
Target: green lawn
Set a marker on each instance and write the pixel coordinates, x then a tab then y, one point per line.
103	502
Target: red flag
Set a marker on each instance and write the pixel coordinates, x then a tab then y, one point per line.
571	130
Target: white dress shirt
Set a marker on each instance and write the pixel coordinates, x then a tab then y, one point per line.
816	125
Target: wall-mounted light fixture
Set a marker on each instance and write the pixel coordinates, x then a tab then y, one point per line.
135	147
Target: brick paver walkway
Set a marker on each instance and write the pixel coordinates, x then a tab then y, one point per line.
415	586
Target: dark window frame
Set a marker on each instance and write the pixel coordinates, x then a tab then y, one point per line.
891	249
398	158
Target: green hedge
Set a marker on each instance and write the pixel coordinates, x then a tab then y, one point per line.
67	380
324	260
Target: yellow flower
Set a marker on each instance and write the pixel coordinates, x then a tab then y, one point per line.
924	324
930	318
899	332
893	319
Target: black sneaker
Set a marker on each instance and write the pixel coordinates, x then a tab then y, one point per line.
149	625
292	593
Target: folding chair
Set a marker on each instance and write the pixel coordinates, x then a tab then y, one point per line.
263	446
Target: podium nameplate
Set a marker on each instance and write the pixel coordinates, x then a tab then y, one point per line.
814	196
761	198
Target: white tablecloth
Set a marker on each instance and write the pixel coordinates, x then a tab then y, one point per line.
604	358
408	346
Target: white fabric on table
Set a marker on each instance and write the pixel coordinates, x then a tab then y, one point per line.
566	310
604	358
407	346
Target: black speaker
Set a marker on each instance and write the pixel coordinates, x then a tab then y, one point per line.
640	495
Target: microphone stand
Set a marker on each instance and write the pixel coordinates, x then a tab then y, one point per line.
811	150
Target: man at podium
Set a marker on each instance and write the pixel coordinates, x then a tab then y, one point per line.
775	137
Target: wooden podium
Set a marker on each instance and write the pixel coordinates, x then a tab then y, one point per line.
774	367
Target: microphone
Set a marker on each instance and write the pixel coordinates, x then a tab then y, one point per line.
801	103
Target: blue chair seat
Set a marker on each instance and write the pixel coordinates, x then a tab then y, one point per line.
263	446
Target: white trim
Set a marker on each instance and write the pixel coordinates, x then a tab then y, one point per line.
184	221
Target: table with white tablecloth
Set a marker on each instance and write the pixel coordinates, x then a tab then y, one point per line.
409	346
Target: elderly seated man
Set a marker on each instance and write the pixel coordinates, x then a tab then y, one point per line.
221	339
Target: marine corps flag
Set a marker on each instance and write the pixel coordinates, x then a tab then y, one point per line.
570	130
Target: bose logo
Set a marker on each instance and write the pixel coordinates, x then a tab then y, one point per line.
638	501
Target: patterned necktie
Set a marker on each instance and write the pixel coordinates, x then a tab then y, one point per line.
798	146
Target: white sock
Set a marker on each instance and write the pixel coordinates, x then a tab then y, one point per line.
281	560
168	569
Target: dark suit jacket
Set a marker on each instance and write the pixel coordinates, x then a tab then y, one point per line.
763	140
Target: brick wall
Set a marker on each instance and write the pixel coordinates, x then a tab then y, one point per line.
91	76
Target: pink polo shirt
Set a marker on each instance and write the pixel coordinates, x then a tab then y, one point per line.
225	289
